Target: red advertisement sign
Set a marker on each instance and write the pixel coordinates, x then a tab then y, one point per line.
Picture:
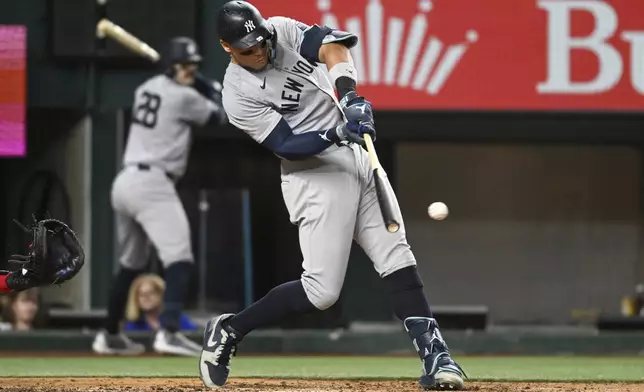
489	54
13	94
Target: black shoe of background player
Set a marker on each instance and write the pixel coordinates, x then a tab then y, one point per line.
116	344
166	342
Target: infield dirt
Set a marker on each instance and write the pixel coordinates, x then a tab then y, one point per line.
271	385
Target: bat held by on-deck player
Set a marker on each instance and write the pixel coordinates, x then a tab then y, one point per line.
106	28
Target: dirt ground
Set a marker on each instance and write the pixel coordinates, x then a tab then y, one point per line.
262	385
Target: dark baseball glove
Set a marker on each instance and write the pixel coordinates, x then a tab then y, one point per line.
55	256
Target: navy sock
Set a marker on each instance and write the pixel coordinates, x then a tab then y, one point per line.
177	279
406	290
283	300
118	298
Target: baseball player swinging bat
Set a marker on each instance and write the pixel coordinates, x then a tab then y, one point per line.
318	125
383	188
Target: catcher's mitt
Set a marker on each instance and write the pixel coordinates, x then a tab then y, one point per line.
55	255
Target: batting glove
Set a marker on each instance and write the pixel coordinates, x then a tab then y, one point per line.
356	108
352	132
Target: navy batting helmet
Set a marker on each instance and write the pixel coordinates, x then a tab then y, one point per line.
182	50
240	25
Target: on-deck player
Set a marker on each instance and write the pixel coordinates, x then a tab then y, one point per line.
275	91
145	200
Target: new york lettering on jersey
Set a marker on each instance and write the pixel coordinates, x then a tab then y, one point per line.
306	99
292	91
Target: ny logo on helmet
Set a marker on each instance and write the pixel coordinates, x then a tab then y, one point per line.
250	26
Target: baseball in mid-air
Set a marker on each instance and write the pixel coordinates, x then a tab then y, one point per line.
438	210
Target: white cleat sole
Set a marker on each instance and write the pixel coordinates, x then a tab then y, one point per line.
448	381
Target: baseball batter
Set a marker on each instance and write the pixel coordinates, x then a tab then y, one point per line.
145	200
276	91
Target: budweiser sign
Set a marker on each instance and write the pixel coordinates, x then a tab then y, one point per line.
489	54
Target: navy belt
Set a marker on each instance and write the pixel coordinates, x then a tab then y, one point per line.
146	167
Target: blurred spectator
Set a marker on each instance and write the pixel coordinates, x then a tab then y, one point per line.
145	303
20	311
633	305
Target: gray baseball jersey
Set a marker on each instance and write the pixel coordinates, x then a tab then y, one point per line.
331	196
162	116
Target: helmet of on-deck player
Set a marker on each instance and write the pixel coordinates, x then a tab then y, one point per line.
182	50
240	25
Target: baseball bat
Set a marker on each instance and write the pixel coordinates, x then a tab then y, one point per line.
384	191
106	28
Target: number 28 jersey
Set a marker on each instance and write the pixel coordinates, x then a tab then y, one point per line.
162	116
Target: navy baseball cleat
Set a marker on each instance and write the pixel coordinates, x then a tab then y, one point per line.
440	372
219	346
